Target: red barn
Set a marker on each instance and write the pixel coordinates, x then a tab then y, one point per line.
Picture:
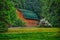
29	17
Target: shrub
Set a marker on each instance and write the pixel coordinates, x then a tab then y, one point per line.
18	23
8	14
3	27
50	10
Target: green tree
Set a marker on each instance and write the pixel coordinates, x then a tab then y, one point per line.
19	3
50	10
43	8
34	5
8	15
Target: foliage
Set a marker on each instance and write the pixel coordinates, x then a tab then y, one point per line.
19	23
4	11
19	3
8	15
3	27
33	5
50	10
43	8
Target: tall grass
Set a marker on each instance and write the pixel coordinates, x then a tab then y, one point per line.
31	34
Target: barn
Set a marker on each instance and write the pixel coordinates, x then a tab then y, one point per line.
29	17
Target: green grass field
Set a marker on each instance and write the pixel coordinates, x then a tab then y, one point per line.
28	35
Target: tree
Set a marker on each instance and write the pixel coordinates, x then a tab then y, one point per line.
19	3
8	15
43	8
34	5
50	10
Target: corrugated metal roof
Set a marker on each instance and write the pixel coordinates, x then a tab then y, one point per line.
29	14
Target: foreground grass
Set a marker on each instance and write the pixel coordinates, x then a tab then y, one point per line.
31	34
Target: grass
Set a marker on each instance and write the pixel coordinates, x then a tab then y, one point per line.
29	30
31	34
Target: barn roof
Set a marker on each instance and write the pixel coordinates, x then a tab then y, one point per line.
29	14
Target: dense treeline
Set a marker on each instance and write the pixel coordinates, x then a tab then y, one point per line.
44	8
50	10
33	5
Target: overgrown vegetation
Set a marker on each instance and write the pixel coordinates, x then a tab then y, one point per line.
50	10
3	27
43	8
8	15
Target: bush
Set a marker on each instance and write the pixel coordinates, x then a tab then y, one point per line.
50	10
18	23
3	27
8	15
